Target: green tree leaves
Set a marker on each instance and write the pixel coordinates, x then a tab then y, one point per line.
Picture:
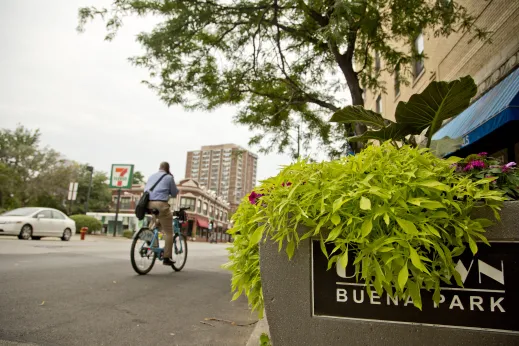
204	54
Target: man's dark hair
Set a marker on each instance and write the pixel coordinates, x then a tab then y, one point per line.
164	166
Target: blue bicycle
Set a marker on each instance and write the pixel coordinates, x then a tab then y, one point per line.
145	246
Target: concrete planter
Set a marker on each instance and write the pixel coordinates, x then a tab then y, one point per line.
287	289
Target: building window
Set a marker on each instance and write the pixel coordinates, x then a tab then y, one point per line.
377	61
379	104
419	48
198	206
205	209
397	81
211	211
187	202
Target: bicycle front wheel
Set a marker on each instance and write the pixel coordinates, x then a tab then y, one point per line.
179	252
142	256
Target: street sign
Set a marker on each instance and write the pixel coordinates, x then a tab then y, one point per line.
72	191
489	299
121	176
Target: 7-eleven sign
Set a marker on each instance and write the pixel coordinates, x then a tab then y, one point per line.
121	176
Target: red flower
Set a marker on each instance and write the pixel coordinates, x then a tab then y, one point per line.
254	197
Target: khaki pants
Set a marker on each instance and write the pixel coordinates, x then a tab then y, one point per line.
164	221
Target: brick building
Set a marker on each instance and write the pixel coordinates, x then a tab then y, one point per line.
228	170
205	207
129	199
489	63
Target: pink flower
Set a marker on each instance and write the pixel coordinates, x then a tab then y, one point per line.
468	167
483	154
253	197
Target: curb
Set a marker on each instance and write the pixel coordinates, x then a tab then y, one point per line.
261	327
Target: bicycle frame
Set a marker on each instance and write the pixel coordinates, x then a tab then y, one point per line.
159	250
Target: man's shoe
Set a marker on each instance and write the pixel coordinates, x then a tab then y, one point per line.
168	262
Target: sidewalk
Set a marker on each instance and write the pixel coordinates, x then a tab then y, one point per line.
261	327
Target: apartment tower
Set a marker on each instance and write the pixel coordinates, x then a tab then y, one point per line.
227	169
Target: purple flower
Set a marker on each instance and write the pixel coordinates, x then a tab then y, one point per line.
478	164
286	184
253	197
483	154
468	167
507	167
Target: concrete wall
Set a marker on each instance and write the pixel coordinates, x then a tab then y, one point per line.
288	306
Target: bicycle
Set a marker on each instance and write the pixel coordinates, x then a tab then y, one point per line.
149	249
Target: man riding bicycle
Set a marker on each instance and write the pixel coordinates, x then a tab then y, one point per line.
159	198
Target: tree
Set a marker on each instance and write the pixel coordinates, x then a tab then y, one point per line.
138	178
25	161
32	176
280	61
100	194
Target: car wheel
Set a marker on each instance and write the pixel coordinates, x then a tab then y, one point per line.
66	235
35	238
26	232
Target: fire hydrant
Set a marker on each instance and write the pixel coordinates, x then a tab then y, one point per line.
83	231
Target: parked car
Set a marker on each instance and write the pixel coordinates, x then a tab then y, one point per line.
35	223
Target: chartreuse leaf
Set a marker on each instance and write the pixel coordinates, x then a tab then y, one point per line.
336	219
343	259
402	277
365	203
290	248
414	291
407	226
256	236
367	226
415	259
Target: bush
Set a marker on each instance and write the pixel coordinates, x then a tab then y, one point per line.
128	234
403	214
92	223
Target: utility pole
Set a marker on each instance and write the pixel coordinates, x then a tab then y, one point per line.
91	170
117	210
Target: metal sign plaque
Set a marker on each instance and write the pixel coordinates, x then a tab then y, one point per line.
489	299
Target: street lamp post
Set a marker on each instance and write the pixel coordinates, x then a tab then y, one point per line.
91	170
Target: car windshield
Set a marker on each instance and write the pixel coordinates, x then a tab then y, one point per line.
21	212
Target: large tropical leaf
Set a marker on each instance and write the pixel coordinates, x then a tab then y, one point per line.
394	132
358	114
438	102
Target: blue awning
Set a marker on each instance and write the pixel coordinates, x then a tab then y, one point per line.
498	107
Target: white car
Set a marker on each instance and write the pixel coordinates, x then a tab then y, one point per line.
35	223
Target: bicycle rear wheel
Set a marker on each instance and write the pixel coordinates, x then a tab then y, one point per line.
179	252
141	255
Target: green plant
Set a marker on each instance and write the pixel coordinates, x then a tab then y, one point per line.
438	102
265	340
403	214
128	234
478	166
92	223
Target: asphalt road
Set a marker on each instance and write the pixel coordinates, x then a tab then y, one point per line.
86	293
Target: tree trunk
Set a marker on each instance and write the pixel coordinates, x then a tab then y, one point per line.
352	78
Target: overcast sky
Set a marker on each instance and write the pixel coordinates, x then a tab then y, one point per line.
87	99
